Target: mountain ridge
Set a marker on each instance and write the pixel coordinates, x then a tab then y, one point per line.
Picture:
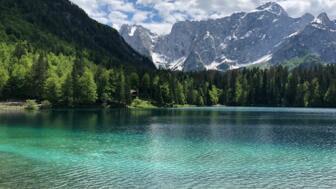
229	42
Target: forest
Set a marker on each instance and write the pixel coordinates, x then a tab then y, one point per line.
52	51
72	81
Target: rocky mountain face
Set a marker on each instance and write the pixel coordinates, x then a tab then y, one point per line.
318	38
139	38
266	34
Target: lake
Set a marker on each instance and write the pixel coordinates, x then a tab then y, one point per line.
215	147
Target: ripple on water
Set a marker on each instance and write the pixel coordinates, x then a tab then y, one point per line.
221	149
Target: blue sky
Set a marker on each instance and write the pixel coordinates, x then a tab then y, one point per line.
160	15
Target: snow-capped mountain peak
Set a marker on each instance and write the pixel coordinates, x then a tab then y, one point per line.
323	19
140	38
239	40
323	22
273	8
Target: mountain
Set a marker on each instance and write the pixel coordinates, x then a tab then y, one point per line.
139	38
318	38
60	26
266	34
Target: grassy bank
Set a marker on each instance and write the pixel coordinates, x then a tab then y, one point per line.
141	104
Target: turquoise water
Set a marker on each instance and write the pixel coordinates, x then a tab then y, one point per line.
173	148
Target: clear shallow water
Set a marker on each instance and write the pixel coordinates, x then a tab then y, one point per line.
181	148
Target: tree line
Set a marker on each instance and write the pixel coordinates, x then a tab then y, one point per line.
26	73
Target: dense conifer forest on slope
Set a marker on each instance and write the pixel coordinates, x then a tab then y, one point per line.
61	27
66	80
51	50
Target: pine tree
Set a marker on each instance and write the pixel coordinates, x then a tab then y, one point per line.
104	89
316	98
214	95
38	76
166	93
307	94
145	86
52	89
121	88
241	90
4	77
87	88
180	97
330	96
134	81
290	93
67	91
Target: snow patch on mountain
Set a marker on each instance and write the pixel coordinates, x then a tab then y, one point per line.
262	60
239	40
132	31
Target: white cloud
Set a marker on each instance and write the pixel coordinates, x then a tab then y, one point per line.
160	15
140	17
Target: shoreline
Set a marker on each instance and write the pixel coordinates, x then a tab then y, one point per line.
20	106
12	106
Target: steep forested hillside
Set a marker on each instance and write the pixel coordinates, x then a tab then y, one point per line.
59	26
50	50
76	81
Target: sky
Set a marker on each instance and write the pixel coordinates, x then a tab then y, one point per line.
160	15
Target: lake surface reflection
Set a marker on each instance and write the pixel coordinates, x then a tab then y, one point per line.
214	147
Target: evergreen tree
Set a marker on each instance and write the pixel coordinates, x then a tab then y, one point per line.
4	77
134	81
180	97
38	76
165	93
196	99
214	95
121	88
307	97
104	89
241	90
200	100
290	94
87	88
330	96
316	98
156	92
300	94
67	91
145	86
52	89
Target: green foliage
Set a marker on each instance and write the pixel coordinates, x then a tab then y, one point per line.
241	90
121	93
180	96
105	87
52	89
64	80
134	80
68	91
214	94
31	105
165	93
143	104
62	27
3	78
330	96
87	88
46	104
145	86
